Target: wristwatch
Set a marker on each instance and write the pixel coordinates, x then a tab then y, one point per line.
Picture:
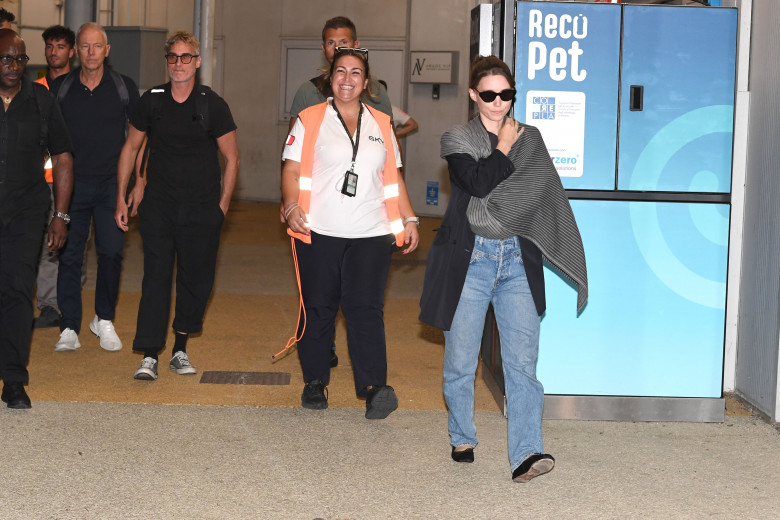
63	216
416	220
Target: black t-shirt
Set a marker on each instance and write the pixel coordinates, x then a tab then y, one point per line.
97	122
22	182
183	160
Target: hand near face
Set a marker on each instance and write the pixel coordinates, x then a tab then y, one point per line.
508	134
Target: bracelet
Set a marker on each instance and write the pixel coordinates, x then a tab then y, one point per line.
289	210
63	216
416	220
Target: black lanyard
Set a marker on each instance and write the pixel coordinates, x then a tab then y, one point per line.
356	143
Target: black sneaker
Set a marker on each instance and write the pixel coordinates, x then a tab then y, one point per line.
14	394
334	359
380	401
49	317
314	396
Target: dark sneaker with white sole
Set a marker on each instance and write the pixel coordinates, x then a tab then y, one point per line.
181	364
148	370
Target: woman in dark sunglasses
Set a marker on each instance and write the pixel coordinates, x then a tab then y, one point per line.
507	212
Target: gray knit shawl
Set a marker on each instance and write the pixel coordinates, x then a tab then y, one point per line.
530	203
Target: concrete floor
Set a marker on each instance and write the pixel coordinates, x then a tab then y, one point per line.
98	444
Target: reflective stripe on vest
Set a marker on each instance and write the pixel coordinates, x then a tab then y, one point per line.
312	118
47	169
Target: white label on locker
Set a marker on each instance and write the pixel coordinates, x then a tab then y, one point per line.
560	117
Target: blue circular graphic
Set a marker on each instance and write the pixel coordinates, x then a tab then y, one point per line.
707	220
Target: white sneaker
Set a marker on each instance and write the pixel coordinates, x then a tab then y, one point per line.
69	340
104	329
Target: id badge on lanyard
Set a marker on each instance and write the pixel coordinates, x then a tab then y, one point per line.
349	186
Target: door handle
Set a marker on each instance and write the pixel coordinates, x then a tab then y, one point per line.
637	95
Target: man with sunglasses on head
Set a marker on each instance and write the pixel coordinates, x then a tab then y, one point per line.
338	32
95	102
184	200
30	124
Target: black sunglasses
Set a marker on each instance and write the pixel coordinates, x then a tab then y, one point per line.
351	50
488	96
172	58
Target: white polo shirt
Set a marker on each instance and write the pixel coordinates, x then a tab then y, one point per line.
332	213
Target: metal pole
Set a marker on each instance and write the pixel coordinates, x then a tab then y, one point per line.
78	12
207	41
196	19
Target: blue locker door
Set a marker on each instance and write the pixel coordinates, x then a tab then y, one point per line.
655	317
677	99
568	61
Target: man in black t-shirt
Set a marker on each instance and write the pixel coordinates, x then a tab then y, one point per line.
95	101
182	201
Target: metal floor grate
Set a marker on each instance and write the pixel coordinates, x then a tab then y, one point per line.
246	378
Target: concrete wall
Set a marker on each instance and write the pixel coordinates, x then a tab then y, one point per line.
252	32
249	35
759	311
252	65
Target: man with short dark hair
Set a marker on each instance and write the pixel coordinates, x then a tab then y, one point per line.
95	102
30	124
60	42
6	19
337	32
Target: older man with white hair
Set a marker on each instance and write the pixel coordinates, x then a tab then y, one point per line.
95	102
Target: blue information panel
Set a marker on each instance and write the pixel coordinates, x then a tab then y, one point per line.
655	319
678	64
567	73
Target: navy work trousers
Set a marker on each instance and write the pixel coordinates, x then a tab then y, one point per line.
92	199
350	273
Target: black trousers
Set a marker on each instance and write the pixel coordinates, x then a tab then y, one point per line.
351	274
189	235
20	246
92	200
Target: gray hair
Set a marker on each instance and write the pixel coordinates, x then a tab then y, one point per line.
91	25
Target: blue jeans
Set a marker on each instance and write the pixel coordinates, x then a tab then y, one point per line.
496	275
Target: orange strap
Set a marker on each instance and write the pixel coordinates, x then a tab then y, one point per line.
301	309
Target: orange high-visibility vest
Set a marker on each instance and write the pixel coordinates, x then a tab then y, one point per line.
47	169
312	119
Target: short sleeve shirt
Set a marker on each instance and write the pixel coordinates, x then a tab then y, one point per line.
97	122
184	158
22	181
332	213
400	117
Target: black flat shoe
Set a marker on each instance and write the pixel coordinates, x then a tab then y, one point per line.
15	396
533	466
466	455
